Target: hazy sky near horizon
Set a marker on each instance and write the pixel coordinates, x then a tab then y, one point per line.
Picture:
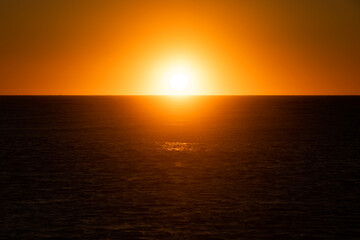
229	46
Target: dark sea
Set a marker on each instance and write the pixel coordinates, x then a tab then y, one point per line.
116	167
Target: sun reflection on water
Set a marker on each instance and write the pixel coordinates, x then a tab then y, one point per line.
177	147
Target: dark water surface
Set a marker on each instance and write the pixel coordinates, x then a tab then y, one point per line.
180	167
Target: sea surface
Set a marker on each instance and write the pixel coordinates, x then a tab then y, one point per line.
116	167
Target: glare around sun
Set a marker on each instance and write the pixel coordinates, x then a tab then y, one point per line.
179	82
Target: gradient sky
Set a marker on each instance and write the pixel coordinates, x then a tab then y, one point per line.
231	47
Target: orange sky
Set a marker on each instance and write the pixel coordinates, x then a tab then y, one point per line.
229	47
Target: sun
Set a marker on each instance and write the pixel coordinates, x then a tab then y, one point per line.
179	82
176	78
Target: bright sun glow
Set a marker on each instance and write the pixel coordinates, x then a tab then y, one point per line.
179	81
177	77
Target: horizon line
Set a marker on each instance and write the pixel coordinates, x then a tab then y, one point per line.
170	95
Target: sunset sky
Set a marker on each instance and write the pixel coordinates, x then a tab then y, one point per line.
225	47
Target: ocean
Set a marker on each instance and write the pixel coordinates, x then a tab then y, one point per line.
182	167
